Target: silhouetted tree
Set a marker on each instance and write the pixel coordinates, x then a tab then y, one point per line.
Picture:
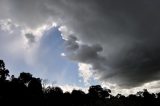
35	85
98	92
3	71
27	90
25	77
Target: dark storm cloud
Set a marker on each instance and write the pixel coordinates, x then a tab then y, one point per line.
82	52
127	34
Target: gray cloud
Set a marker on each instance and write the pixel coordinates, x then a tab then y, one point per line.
30	37
127	34
88	54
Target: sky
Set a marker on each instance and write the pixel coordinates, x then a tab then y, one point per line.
75	44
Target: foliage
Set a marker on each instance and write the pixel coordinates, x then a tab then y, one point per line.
28	90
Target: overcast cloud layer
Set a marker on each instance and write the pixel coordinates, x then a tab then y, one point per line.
119	38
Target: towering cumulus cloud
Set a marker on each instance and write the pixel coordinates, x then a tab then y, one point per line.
118	38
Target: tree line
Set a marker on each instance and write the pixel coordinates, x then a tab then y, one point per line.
27	90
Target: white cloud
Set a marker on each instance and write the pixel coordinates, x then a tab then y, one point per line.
152	87
63	54
16	47
11	39
69	88
86	72
39	31
65	32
